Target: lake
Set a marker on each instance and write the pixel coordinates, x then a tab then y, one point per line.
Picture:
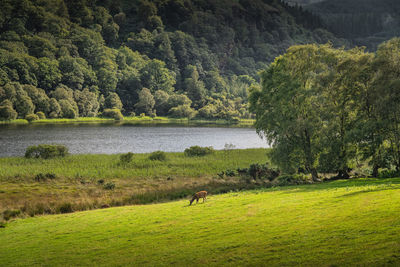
109	138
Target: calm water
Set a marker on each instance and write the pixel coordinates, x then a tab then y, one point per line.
112	138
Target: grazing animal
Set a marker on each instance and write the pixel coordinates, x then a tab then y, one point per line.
198	195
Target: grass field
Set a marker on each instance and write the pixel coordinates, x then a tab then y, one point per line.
354	222
140	181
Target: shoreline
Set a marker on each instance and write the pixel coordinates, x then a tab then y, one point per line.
135	120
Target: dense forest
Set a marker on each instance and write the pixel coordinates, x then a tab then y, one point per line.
362	22
179	58
327	110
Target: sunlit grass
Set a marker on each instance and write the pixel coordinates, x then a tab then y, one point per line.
332	224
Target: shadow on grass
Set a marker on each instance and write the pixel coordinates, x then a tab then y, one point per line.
348	183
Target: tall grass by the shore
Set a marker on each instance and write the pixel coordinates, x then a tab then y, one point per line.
81	182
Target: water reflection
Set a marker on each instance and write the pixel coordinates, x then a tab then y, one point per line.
109	138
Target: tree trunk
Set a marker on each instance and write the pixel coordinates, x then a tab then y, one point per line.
343	174
309	158
375	170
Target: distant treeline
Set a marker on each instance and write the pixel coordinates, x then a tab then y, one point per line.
179	58
327	110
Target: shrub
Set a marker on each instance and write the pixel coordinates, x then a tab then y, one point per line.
109	186
142	115
291	179
43	177
198	151
126	158
46	151
113	114
32	117
41	115
101	181
230	173
262	171
386	173
8	214
158	155
65	208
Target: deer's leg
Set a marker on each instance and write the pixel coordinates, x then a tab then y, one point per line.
197	200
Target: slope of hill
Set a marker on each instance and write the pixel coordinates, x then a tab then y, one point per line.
364	22
353	222
170	57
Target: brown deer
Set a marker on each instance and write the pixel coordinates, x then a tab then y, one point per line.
198	195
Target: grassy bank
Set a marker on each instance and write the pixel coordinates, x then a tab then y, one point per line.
137	119
80	180
340	223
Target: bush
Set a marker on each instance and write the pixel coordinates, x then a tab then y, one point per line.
386	173
46	151
158	155
8	214
126	158
32	117
113	114
65	208
230	173
262	171
41	115
109	186
291	179
198	151
101	181
43	177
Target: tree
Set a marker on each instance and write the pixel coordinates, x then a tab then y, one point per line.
113	101
386	94
161	102
87	102
55	109
288	106
7	111
194	87
146	102
67	110
155	76
182	111
23	103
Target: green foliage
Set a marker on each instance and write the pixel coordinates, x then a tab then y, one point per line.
42	177
158	155
198	151
93	55
46	151
9	214
113	113
126	158
65	208
146	102
41	115
31	117
182	111
109	186
7	111
291	179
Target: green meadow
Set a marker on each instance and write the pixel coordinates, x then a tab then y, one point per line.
352	222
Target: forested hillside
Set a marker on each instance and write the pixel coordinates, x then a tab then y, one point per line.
181	58
363	22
